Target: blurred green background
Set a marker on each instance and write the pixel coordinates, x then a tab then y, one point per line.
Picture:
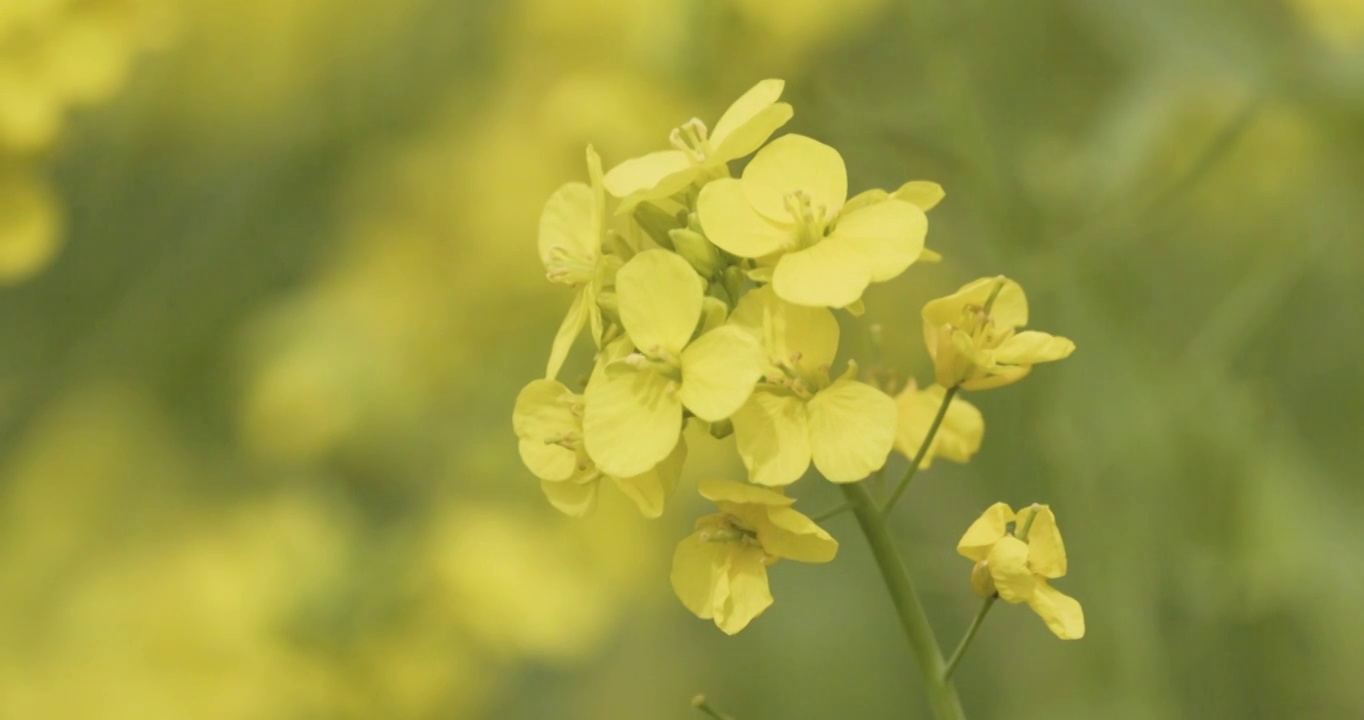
270	288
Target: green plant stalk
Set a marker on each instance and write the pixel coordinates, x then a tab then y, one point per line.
923	450
968	637
942	694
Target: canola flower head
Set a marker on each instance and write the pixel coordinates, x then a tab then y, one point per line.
698	154
1016	564
958	438
720	570
789	205
974	339
799	414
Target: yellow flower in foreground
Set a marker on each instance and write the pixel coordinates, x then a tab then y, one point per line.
572	231
1017	565
798	414
789	204
972	336
548	420
720	571
633	417
959	436
743	128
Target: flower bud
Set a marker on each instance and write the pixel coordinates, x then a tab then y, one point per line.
981	582
695	249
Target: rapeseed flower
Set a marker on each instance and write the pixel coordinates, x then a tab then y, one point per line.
698	155
957	439
1017	565
634	404
720	570
972	336
789	206
798	413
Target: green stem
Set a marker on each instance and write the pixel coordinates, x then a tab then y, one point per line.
923	451
699	702
968	637
832	512
942	695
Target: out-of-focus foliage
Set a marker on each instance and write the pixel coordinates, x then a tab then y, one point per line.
255	459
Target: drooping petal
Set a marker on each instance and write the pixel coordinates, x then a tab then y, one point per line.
658	174
733	225
852	430
749	594
651	490
826	274
660	302
543	412
566	225
1046	550
574	499
795	163
922	193
988	529
696	564
752	119
1008	563
888	235
569	330
727	491
632	420
958	437
773	437
1062	613
790	534
1030	347
719	371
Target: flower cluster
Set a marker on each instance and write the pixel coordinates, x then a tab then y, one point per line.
711	299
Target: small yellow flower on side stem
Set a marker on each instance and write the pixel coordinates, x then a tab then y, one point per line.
720	570
548	420
1017	564
958	437
973	338
698	155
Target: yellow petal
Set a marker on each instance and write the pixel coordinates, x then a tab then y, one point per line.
773	437
998	377
632	420
826	274
719	371
728	491
798	336
752	119
544	412
697	563
650	490
1008	563
660	302
988	529
1046	550
657	174
749	594
786	533
794	163
1062	613
566	226
573	499
1010	309
958	437
567	333
1030	347
594	176
733	225
889	236
852	430
864	199
921	193
30	226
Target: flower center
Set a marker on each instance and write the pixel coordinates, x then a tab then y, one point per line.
566	267
729	529
692	139
811	220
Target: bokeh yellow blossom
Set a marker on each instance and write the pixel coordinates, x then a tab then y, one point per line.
958	437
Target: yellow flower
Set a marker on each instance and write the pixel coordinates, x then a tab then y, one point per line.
789	204
633	416
548	420
572	231
973	339
720	570
797	414
1017	565
30	226
958	437
743	128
